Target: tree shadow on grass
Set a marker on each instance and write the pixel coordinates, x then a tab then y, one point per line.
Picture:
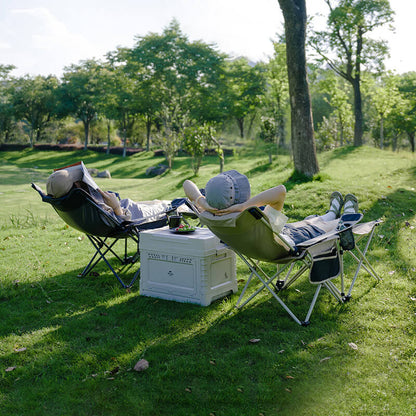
90	341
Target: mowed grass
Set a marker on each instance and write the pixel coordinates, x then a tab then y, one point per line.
68	345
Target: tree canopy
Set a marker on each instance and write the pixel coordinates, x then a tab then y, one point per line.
347	47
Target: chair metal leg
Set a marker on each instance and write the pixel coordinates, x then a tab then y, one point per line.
315	297
253	268
334	291
362	262
98	244
341	265
256	270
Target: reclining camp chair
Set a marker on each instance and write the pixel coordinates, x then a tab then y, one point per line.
250	235
79	211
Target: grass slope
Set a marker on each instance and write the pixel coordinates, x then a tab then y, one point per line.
69	345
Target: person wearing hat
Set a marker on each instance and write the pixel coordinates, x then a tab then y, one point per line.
229	192
62	181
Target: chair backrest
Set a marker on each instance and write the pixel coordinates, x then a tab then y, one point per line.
79	211
249	233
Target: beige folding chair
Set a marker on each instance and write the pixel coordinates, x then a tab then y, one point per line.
250	235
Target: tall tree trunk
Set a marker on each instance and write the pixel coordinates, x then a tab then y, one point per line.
250	124
358	113
303	141
86	134
412	140
394	141
381	133
281	131
341	132
220	152
108	137
124	141
31	137
240	123
148	130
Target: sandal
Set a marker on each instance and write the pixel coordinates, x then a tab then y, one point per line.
337	196
353	200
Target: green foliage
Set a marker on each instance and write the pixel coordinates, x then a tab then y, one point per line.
195	141
346	45
338	127
170	136
276	99
385	99
350	22
245	87
268	134
34	100
7	122
405	117
171	68
81	92
166	79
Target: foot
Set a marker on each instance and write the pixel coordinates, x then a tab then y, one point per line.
350	204
336	203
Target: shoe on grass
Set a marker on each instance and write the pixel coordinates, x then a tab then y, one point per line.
350	204
336	196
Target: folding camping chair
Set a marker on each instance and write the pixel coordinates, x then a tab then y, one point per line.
363	234
250	235
79	211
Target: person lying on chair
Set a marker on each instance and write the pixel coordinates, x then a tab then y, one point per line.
62	181
229	192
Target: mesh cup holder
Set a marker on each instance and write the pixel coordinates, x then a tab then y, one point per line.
346	239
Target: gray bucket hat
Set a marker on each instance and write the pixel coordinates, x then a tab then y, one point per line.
226	189
61	182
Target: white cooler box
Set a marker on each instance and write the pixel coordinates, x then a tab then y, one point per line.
192	267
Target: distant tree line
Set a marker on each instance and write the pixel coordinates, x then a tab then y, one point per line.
169	92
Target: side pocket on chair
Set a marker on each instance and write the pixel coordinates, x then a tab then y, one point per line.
326	263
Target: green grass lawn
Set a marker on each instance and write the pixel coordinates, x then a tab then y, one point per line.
68	345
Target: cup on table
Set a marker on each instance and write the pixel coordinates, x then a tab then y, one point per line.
174	221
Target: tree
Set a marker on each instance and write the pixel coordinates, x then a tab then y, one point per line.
195	141
350	23
120	101
6	101
268	135
81	92
407	118
170	68
276	100
303	142
245	86
337	97
385	97
34	100
398	121
170	136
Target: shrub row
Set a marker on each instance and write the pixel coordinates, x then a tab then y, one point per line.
115	150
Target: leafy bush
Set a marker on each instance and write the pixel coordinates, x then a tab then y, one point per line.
195	140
